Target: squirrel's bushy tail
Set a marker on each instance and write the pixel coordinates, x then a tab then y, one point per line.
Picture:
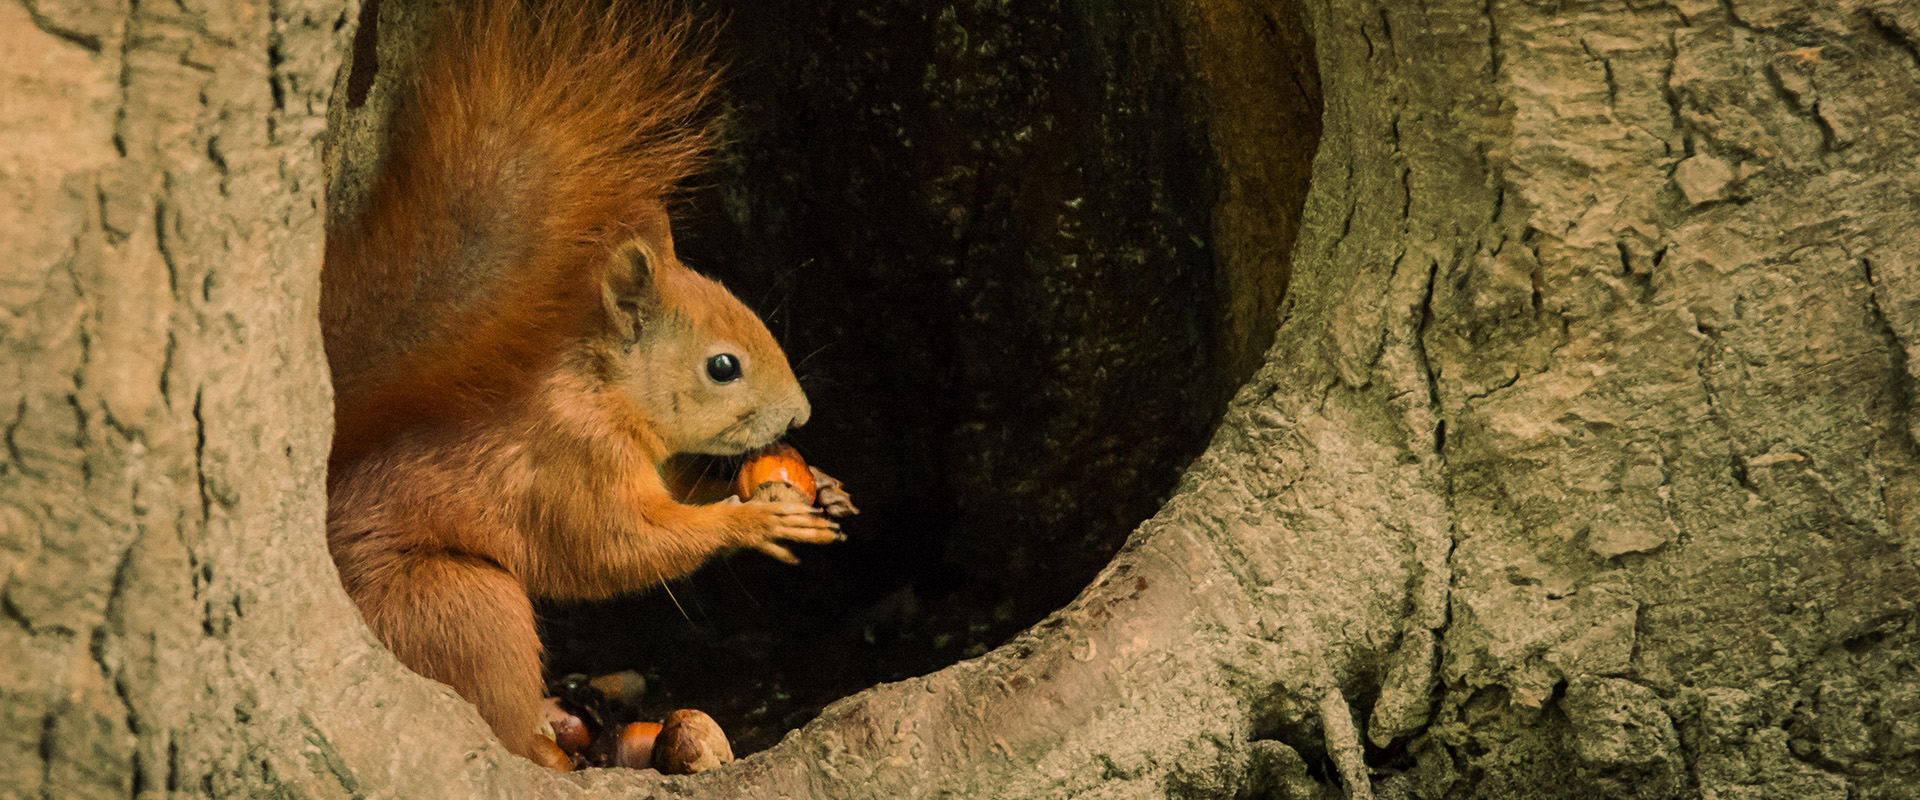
531	137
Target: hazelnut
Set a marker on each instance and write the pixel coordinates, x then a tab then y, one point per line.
690	742
549	755
775	462
569	731
634	750
625	687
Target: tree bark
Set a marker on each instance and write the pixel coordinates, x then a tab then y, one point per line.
1581	465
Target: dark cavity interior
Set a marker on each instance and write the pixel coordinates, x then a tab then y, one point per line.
983	232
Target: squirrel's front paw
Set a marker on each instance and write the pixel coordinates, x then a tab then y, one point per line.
769	523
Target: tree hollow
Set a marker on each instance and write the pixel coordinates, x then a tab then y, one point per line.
985	234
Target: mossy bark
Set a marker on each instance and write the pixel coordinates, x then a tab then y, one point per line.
1581	465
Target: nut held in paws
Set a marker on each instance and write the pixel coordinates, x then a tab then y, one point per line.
775	462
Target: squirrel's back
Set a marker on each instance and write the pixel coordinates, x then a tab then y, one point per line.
531	141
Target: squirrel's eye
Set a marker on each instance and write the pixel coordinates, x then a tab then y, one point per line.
723	368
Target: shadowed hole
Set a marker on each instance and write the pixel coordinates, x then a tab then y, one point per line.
984	232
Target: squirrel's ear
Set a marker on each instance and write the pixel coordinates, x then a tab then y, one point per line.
631	290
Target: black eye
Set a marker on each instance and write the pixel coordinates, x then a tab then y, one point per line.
723	368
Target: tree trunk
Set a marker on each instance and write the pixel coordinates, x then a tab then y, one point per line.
1581	463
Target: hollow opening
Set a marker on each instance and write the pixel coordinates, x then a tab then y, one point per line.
1002	247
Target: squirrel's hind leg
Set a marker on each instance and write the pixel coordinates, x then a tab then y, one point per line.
465	622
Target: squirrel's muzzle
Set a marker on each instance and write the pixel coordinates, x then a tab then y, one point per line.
802	411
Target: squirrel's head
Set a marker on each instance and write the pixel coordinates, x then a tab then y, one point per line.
701	364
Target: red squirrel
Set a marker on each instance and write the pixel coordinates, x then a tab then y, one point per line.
516	349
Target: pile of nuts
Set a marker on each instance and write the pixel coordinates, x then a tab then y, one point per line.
686	742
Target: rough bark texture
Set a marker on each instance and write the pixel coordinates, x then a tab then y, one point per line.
1581	466
158	496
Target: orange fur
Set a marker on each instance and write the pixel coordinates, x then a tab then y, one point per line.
531	141
516	350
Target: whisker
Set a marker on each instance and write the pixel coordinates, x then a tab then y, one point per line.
676	604
694	598
783	284
738	425
810	356
810	382
743	587
779	311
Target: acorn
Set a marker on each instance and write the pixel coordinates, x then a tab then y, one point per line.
548	754
776	462
572	733
690	742
634	750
